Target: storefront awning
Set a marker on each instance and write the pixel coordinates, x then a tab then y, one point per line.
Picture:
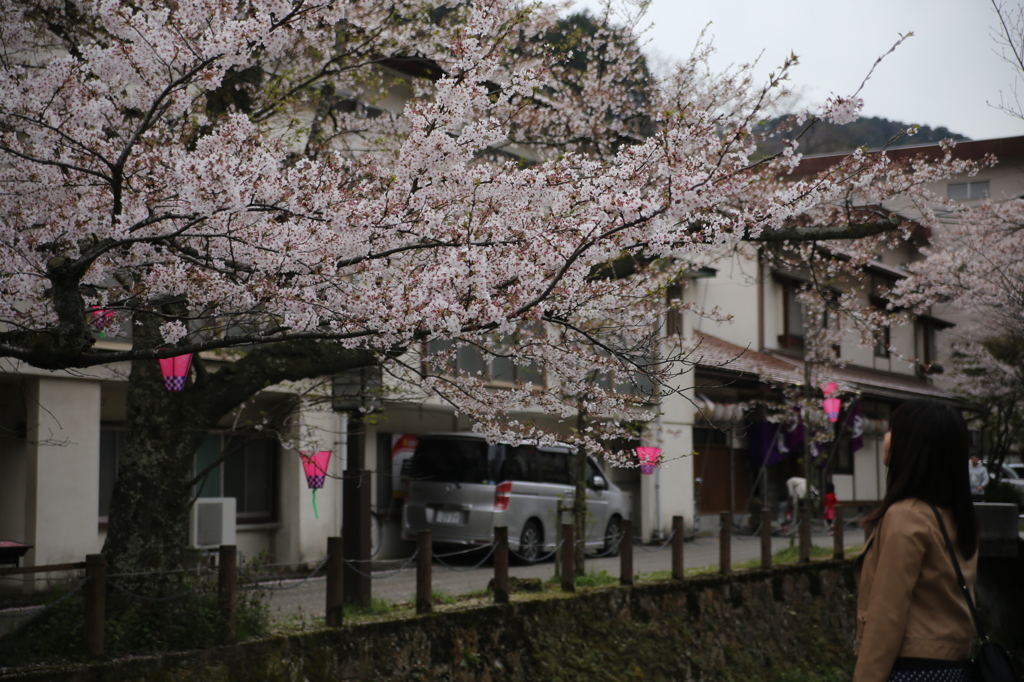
715	354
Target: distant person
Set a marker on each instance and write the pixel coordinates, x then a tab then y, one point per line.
979	479
830	505
913	622
797	489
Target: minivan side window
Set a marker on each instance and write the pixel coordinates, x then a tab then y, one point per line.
450	459
553	467
519	464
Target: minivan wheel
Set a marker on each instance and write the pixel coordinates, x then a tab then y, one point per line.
613	537
531	542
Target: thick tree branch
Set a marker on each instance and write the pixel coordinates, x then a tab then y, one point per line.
823	233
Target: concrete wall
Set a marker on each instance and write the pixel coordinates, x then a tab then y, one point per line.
61	469
669	491
301	537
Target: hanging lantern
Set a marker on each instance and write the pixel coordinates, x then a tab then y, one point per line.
175	371
649	458
315	466
832	406
101	319
829	388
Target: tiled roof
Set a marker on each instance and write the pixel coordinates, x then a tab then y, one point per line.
714	353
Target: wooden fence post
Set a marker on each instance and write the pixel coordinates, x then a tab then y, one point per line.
95	602
335	568
355	531
424	559
677	547
227	588
805	535
766	538
838	548
501	565
626	554
568	557
725	544
558	539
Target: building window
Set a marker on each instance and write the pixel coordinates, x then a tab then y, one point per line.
493	368
111	447
674	316
882	342
242	467
235	465
831	317
926	333
843	463
968	191
792	336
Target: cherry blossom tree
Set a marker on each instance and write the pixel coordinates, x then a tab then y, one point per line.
976	266
295	189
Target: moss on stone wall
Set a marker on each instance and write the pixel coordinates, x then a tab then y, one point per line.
793	623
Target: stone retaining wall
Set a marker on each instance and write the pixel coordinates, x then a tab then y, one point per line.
792	623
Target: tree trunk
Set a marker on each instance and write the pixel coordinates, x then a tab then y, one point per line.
149	508
150	503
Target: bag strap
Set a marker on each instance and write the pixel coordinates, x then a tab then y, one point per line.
960	575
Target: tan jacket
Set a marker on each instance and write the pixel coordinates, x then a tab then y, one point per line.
909	602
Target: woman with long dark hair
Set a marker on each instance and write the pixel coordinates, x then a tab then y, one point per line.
913	622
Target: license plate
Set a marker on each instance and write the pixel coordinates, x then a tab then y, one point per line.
448	517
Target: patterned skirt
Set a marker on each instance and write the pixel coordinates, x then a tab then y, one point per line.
931	670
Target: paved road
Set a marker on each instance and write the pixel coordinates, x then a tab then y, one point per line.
289	598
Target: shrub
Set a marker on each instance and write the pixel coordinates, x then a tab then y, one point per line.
187	616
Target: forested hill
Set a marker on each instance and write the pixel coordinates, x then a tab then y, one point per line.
873	132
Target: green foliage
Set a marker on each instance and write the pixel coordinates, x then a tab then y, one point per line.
55	633
135	625
377	607
791	555
800	673
599	579
442	598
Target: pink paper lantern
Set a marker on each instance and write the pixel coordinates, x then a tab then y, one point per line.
101	318
315	466
829	388
832	406
649	458
175	371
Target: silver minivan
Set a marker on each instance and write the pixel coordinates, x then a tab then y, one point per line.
460	488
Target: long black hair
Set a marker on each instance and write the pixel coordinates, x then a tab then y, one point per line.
928	460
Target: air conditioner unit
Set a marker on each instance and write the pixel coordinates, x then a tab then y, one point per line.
213	522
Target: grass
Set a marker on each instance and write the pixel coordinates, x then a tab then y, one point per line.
377	607
599	579
789	555
550	588
442	598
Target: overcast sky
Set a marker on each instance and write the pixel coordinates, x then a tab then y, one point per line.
945	75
